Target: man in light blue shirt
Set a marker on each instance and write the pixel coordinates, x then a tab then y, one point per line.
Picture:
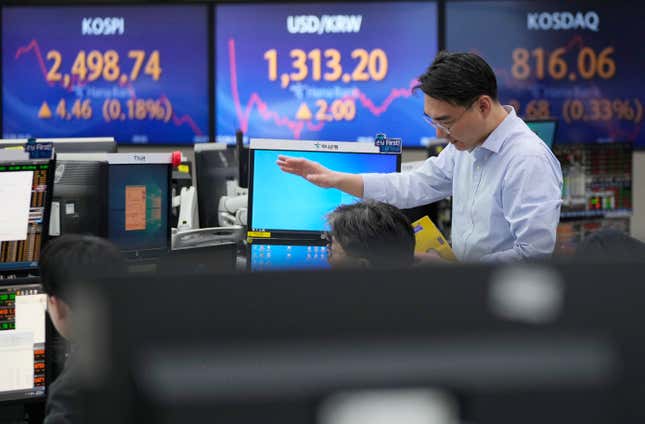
505	183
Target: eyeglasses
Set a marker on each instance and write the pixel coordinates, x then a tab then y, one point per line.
442	127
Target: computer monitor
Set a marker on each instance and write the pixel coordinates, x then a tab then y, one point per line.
22	341
215	164
79	202
282	255
138	203
25	196
70	145
219	258
283	205
274	347
545	129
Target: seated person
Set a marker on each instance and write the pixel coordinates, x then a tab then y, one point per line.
63	265
370	234
609	245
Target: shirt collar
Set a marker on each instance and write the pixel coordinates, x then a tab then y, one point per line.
495	140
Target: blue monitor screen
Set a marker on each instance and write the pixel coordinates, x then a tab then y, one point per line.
545	130
275	257
135	73
287	202
138	206
323	71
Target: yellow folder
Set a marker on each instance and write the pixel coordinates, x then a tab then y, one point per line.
429	237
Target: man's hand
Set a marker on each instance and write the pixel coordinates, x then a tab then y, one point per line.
429	257
309	170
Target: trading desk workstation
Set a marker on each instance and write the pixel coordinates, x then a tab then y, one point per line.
242	325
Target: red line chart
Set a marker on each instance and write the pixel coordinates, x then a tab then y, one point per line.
34	47
297	126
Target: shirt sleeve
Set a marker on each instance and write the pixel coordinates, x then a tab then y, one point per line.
429	183
531	200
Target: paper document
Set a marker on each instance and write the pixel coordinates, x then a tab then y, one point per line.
135	208
15	198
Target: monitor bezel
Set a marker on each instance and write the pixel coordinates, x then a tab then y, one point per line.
300	146
69	145
122	160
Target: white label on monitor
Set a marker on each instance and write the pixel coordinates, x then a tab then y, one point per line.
314	145
16	360
15	197
141	158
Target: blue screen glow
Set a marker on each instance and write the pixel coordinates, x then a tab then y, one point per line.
282	201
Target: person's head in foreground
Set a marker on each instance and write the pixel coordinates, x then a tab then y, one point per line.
370	234
68	261
461	99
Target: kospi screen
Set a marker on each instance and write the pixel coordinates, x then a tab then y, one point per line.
139	74
577	61
323	71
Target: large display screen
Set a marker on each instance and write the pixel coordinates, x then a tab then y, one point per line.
137	73
326	71
577	61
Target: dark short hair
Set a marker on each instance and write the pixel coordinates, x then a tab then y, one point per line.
71	258
373	230
458	78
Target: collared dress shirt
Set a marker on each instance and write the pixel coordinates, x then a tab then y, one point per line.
506	193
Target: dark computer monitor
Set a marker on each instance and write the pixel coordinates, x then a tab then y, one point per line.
22	341
280	255
138	205
80	197
545	129
25	193
215	164
283	205
71	145
216	259
508	344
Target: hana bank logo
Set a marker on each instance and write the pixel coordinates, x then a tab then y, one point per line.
556	21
